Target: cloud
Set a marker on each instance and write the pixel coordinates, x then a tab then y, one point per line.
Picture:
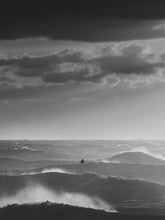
3	54
132	59
9	77
110	64
136	81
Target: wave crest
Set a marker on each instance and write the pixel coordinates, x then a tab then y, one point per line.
39	194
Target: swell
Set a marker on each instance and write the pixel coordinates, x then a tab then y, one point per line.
39	194
138	171
59	211
113	190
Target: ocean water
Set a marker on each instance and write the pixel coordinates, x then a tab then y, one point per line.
23	155
40	171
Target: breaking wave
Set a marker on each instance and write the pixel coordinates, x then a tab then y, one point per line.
39	194
55	170
49	170
113	190
146	151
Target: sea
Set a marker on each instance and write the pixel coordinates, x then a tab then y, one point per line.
109	175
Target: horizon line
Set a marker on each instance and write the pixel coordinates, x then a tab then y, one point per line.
82	139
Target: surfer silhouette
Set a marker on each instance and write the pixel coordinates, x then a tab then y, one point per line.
82	161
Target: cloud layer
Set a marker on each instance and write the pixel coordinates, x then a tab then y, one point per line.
104	64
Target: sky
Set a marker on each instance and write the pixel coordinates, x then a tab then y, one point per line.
82	70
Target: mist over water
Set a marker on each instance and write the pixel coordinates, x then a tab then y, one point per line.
39	194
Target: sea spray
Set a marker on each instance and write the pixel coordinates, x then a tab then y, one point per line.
39	194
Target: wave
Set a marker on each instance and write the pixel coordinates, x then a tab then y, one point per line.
55	170
11	159
149	173
143	150
136	157
17	148
48	170
109	161
39	194
60	211
146	151
112	190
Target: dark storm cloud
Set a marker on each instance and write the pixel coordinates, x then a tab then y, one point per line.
82	65
113	20
110	8
28	66
131	60
85	29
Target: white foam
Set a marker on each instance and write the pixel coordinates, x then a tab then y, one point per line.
109	161
56	170
105	161
49	170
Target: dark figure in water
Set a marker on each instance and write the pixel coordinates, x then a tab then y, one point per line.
82	161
